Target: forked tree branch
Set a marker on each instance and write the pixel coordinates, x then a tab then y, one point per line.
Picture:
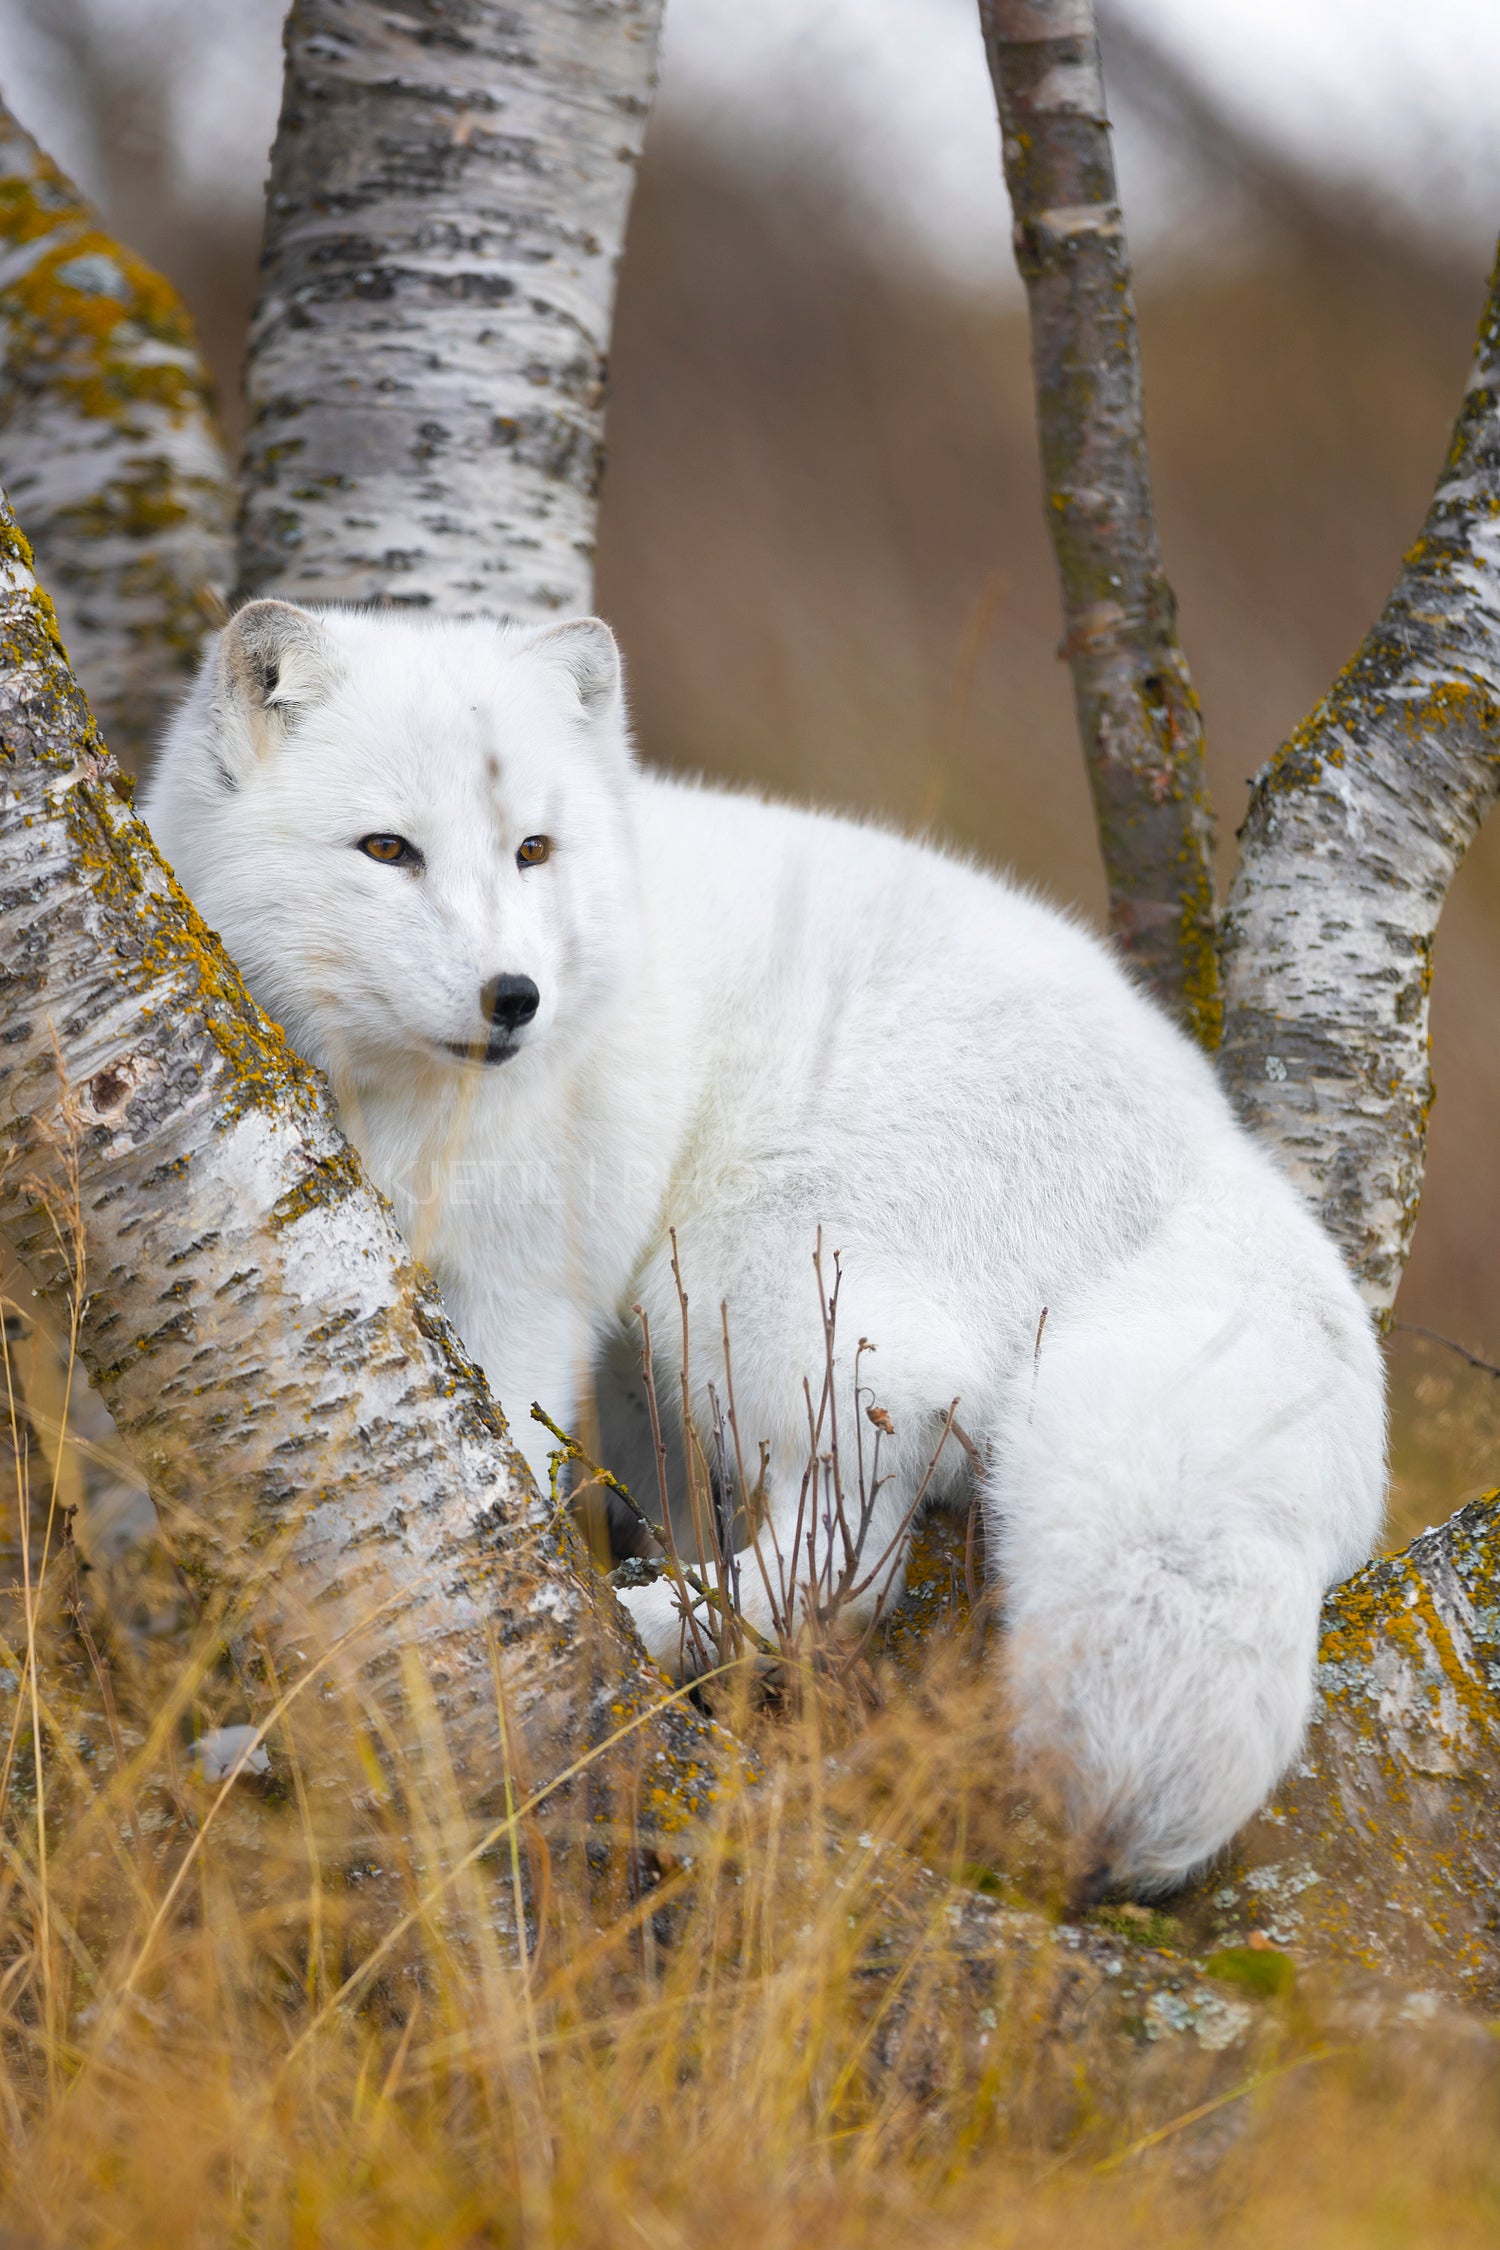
1137	714
108	442
1356	829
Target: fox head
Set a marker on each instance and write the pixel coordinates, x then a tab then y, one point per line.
414	837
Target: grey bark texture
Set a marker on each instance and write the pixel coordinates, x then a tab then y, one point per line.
1378	1851
1356	829
108	443
328	1463
1137	714
426	371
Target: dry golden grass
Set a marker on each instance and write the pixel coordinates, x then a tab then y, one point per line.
768	2047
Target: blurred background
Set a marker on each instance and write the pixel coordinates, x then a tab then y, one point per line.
822	539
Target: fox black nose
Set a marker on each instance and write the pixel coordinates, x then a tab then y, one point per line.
508	1002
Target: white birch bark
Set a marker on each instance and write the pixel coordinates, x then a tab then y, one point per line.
425	381
1378	1851
1355	831
107	445
273	1357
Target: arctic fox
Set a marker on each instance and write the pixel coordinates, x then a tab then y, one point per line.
570	1008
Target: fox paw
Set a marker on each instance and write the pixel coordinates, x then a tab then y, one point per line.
657	1618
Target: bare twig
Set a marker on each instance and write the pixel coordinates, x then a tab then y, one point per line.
910	1515
1036	1362
751	1501
1432	1336
660	1532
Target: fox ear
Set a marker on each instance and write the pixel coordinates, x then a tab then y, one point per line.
586	651
273	662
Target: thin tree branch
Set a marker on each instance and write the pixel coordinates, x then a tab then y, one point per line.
1137	713
1449	1344
690	1582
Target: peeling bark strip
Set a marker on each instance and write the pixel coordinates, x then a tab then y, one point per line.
1137	713
107	444
425	380
273	1357
1356	829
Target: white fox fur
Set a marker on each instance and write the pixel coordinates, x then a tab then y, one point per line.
756	1022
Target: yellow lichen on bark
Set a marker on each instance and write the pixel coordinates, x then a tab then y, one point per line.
107	444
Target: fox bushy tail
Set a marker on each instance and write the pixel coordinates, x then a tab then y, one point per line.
1195	1456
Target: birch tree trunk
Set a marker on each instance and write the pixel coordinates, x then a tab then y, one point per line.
1356	829
1378	1852
1137	714
272	1355
425	384
108	444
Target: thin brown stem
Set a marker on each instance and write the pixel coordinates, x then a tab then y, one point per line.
1449	1344
690	1581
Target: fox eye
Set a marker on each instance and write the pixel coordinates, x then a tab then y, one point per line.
533	851
391	851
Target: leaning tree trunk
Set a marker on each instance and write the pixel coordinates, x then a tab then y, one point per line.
1356	829
107	445
426	372
273	1357
1137	713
